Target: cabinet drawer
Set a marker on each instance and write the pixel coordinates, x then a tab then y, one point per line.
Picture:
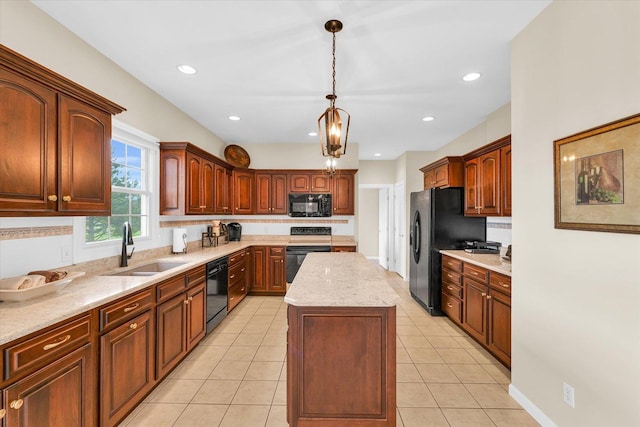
170	287
276	250
236	293
237	273
237	257
452	263
500	282
478	273
452	307
453	290
451	277
125	309
195	276
47	347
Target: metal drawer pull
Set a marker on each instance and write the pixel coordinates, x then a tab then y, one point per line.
131	308
449	276
242	290
133	326
186	301
232	276
449	305
3	412
488	296
474	273
55	344
484	294
242	269
190	299
16	404
504	285
450	288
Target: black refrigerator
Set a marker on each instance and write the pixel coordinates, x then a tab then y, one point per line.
437	222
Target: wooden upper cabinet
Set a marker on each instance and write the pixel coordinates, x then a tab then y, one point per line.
487	175
343	199
55	140
192	182
200	185
222	201
444	173
271	193
243	192
505	179
300	182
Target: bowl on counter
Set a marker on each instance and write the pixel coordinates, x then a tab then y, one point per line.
38	291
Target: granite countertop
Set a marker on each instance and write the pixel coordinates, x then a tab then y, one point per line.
489	261
340	280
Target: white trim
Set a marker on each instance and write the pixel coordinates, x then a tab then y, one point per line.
530	407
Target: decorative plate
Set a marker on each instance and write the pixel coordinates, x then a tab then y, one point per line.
237	156
47	288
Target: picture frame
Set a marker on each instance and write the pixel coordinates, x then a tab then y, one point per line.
597	178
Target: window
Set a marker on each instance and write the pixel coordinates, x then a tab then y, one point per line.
130	190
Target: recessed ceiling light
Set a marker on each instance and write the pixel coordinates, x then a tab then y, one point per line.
187	69
428	119
313	134
234	118
471	77
377	155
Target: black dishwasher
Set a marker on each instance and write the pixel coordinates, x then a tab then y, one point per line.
216	292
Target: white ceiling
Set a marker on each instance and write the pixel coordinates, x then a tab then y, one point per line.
269	62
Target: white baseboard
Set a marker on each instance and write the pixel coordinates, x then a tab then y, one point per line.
532	409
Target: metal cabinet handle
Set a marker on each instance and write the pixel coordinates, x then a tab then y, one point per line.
186	301
449	276
16	404
474	273
190	299
450	288
242	289
504	285
484	294
55	344
3	412
488	296
242	269
66	198
449	305
131	307
232	276
133	326
52	198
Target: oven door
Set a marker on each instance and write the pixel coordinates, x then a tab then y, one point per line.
296	255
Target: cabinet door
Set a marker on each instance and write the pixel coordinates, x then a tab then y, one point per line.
276	270
172	182
126	367
243	193
320	183
194	184
441	176
489	183
258	269
27	137
196	315
343	195
263	193
279	195
299	183
429	179
499	327
474	305
505	180
85	159
222	190
61	394
471	187
171	329
208	187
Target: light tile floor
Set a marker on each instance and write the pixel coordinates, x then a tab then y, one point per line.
236	377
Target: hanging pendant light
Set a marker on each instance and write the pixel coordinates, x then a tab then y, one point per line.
331	129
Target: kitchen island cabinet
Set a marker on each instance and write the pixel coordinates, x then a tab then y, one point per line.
341	344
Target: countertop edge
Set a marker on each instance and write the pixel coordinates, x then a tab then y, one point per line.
496	264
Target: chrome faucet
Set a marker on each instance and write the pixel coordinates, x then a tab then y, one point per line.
127	240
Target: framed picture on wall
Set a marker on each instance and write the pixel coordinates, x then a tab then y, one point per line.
597	178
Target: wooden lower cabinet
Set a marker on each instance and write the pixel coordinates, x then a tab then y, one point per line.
126	367
499	325
343	249
475	309
268	270
341	366
59	395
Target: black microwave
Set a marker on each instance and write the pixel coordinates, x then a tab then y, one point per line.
309	205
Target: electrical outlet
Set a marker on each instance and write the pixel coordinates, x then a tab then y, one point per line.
65	255
568	395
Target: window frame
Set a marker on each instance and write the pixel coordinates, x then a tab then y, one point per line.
91	250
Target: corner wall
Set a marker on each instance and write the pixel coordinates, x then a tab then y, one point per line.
576	294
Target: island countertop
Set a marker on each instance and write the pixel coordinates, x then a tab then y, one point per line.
340	279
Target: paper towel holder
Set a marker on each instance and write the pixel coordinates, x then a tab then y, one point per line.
179	241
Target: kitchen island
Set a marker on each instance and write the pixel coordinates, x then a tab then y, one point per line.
341	343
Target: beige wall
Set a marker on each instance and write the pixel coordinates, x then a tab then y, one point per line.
32	33
368	224
576	298
377	172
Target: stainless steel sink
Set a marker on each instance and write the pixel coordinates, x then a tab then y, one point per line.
148	269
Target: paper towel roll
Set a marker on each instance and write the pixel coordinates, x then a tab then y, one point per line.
179	240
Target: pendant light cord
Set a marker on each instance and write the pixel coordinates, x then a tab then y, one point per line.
333	100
